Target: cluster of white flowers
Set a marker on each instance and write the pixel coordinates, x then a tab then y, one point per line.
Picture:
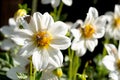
41	40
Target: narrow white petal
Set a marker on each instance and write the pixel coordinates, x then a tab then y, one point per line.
61	42
100	27
47	20
27	50
91	15
37	17
56	57
67	2
111	49
81	51
91	44
117	10
109	62
76	33
40	59
79	47
58	28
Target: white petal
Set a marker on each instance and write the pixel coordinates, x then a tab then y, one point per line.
55	3
116	34
91	15
37	18
21	60
109	62
79	46
7	44
20	36
59	28
46	75
47	20
111	49
76	33
28	25
46	1
80	52
27	50
56	57
67	2
7	30
100	27
12	73
12	21
40	59
114	76
60	42
117	10
77	24
91	44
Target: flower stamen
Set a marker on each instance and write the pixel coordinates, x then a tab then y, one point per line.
88	31
42	39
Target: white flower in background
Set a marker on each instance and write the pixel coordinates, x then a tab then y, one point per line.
52	72
21	68
114	75
42	38
8	30
113	26
85	36
56	3
112	60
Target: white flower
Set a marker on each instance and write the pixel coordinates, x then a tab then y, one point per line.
55	3
42	38
114	75
85	36
23	68
112	60
52	72
7	31
113	26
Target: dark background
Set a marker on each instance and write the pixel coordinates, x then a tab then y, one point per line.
78	10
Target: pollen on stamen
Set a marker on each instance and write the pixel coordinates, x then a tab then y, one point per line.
42	39
88	31
117	22
118	64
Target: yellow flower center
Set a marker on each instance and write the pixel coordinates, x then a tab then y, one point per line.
118	64
42	39
88	31
117	22
58	72
20	13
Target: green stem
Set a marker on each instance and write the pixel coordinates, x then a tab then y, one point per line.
70	72
84	71
60	10
31	76
34	6
104	50
75	66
